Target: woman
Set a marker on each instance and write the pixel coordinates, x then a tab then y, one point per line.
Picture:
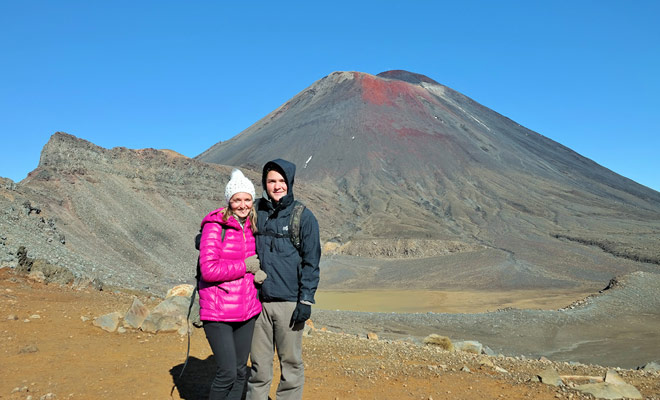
228	297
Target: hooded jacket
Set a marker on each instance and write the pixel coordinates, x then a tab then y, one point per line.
292	275
226	291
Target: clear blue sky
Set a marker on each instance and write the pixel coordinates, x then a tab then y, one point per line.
185	75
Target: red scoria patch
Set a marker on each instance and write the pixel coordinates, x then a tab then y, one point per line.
380	92
411	132
383	92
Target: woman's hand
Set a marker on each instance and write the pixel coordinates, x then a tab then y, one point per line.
252	264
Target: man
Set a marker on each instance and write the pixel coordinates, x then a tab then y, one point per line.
288	293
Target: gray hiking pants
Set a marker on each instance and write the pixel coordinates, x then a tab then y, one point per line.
273	331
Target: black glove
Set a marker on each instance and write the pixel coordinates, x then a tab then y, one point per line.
301	313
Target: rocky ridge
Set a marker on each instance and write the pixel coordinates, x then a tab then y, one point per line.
124	217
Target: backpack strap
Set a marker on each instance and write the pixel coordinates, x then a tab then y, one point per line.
294	223
198	238
192	301
294	226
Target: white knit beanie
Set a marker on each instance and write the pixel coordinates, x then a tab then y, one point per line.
238	183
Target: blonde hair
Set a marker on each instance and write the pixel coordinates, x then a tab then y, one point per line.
227	212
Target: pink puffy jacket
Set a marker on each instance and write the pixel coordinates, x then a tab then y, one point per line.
226	291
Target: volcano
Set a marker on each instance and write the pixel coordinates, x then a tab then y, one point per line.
414	169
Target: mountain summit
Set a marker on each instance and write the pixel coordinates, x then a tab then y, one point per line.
406	76
404	157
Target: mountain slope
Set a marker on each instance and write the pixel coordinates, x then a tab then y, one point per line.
406	157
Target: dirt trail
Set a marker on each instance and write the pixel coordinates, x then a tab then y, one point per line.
59	353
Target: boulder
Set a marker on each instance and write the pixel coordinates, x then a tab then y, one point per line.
614	378
136	314
488	351
610	391
550	377
108	322
31	348
469	346
501	370
37	276
168	316
441	341
53	273
652	367
184	290
486	362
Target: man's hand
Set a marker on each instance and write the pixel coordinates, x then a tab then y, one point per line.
252	264
301	313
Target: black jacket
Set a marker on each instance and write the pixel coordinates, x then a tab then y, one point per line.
292	275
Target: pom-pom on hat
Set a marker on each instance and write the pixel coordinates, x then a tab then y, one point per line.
238	183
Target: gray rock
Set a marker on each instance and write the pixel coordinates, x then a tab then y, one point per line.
652	366
108	322
469	346
614	378
28	349
136	314
610	391
37	276
550	377
501	370
488	351
438	340
168	316
307	330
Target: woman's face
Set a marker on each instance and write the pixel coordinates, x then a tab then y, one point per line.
241	204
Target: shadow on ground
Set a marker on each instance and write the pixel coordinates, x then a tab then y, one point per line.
195	383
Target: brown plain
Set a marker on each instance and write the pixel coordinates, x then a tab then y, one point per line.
77	360
463	301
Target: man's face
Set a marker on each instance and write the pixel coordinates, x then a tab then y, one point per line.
276	186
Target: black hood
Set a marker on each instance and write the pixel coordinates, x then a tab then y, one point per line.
288	171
